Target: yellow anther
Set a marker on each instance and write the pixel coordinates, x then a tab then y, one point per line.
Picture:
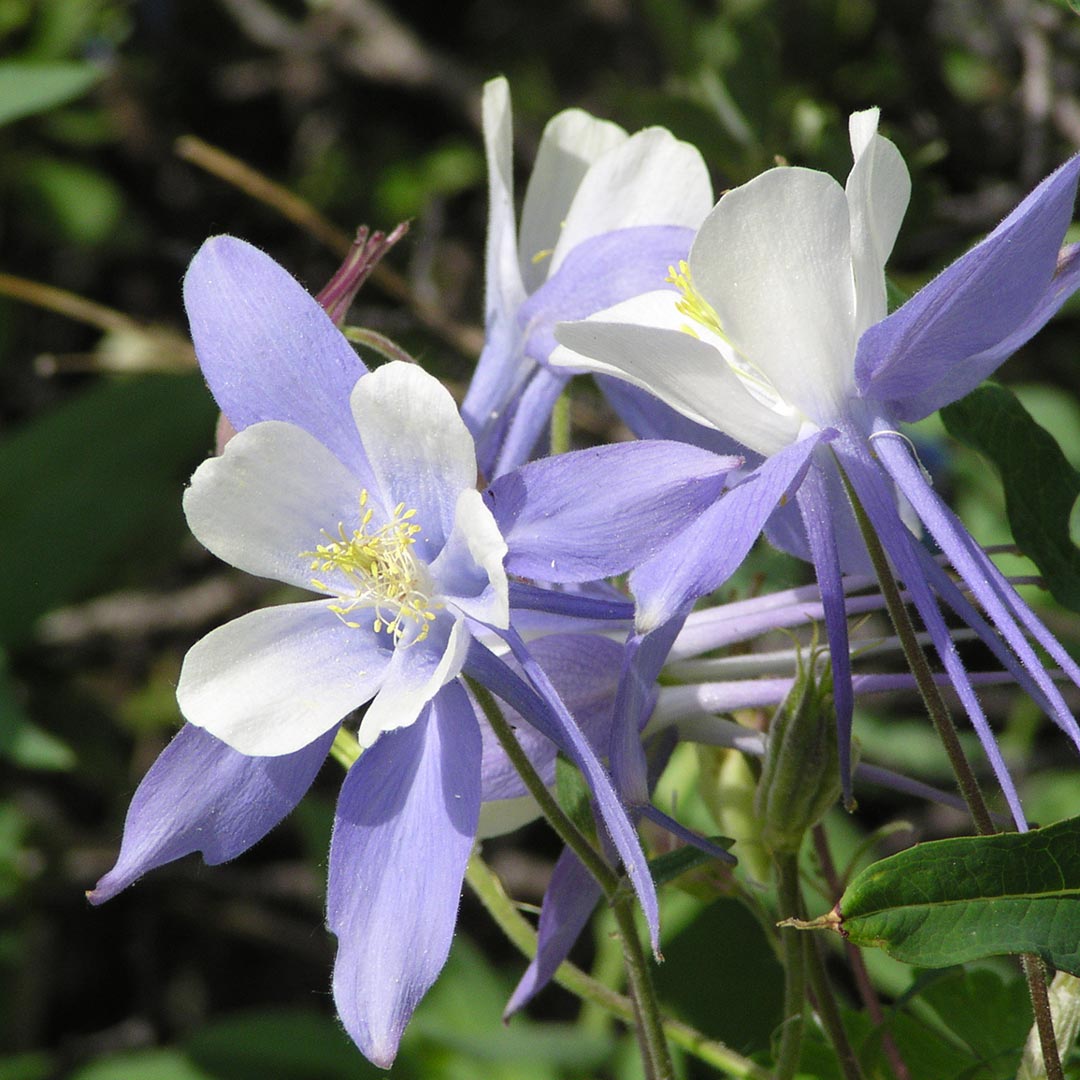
693	305
377	569
540	256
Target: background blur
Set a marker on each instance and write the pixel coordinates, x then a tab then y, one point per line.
369	112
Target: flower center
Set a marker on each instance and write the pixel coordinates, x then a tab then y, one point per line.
378	570
694	306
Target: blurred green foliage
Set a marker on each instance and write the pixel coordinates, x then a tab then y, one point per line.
223	973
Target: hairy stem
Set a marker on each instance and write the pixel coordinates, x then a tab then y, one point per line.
793	946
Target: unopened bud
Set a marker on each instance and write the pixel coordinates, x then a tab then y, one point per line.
801	776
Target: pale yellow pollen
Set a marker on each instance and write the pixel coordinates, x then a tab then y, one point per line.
540	256
693	305
378	570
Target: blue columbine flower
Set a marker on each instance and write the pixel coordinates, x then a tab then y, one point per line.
604	214
775	332
361	488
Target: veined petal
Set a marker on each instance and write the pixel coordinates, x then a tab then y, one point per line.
974	304
415	674
276	679
650	179
774	261
571	142
708	552
270	496
569	900
644	342
267	349
597	274
505	289
405	825
201	795
499	368
469	570
878	189
419	448
584	669
530	416
961	378
594	513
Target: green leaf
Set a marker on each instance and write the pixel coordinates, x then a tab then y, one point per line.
28	87
950	901
84	203
1040	484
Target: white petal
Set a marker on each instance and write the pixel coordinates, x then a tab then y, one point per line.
642	342
268	498
505	290
878	189
651	179
571	142
419	448
415	675
774	260
469	570
274	680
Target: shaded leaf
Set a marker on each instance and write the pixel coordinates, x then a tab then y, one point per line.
28	86
108	471
950	901
1040	484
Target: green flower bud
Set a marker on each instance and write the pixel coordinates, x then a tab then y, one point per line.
800	779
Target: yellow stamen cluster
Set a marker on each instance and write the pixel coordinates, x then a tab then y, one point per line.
693	305
380	571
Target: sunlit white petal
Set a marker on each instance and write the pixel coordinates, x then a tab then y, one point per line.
650	179
276	679
268	498
571	142
419	448
774	261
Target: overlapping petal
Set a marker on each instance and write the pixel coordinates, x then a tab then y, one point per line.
598	512
415	674
650	179
420	451
275	680
878	189
405	825
571	142
709	551
774	261
643	341
267	349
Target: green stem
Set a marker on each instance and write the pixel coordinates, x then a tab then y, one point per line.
1035	973
490	893
568	832
650	1034
920	668
965	777
650	1031
793	944
560	423
345	748
829	1011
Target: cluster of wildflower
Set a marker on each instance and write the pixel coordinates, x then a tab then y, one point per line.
748	347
